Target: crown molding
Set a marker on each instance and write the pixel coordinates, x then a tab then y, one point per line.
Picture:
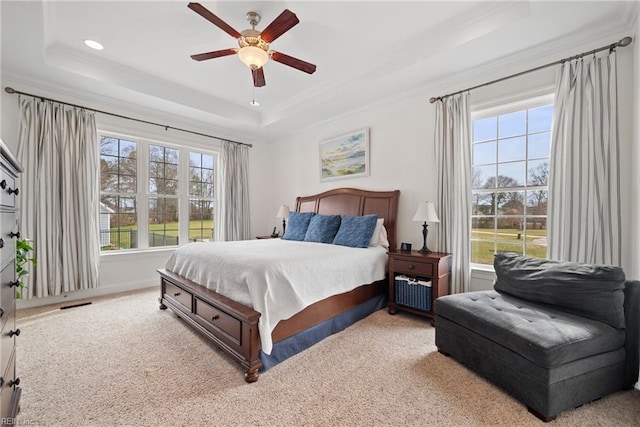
135	110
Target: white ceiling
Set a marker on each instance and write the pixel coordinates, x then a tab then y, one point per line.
365	51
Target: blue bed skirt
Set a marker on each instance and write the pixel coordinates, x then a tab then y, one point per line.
288	347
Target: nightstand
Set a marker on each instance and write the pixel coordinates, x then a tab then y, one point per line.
415	296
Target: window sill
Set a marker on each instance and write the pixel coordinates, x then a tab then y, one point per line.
129	252
484	268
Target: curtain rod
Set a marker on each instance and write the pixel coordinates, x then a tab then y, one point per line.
625	41
166	127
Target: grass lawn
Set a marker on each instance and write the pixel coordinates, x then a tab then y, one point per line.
507	240
197	230
482	245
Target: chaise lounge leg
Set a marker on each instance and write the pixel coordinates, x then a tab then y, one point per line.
443	352
539	415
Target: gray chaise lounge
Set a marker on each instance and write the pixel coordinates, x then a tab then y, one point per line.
554	335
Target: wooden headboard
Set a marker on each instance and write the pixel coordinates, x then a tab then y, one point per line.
355	202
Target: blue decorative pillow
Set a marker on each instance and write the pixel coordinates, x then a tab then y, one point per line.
297	225
356	231
322	228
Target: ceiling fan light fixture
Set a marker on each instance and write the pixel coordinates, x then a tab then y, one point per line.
253	57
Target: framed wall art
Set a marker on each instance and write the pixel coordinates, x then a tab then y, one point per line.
345	156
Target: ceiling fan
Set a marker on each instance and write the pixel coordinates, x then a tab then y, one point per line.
254	45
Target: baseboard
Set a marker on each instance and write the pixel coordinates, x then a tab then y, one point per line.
86	293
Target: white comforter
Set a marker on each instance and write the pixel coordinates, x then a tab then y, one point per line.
277	278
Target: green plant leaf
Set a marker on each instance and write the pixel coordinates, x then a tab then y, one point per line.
23	248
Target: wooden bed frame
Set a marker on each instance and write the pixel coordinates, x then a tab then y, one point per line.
234	327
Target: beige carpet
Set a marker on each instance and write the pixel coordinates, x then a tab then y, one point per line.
122	361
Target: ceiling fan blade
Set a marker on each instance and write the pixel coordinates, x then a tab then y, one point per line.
209	16
293	62
283	23
258	77
214	54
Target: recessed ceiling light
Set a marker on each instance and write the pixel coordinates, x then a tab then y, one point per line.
93	44
254	103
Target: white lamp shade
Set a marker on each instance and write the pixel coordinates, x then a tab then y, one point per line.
283	212
426	212
253	57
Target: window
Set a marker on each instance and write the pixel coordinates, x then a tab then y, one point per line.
178	184
163	196
201	201
118	189
510	177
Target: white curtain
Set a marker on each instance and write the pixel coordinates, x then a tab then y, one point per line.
453	157
584	180
58	148
235	187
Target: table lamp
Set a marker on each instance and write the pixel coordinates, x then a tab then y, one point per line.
426	212
283	213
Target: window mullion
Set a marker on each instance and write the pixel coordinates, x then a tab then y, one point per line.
183	195
143	194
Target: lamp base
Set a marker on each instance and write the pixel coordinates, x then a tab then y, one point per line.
425	249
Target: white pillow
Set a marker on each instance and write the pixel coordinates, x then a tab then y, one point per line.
384	240
379	237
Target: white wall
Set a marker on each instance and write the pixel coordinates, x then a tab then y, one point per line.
402	152
294	166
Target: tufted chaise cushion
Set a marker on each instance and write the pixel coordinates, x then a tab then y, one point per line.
546	336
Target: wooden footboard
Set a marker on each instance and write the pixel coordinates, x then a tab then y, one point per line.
229	324
234	327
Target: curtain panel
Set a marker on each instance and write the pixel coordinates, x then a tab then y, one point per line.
453	157
59	205
584	181
235	224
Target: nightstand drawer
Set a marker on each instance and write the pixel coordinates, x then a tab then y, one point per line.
412	267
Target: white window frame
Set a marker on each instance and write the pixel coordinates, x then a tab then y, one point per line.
502	106
142	194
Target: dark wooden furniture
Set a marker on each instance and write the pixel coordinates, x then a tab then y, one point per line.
9	390
234	327
435	267
266	237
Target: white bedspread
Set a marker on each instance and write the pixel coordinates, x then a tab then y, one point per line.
277	278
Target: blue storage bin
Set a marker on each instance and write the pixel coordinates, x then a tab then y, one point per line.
413	292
